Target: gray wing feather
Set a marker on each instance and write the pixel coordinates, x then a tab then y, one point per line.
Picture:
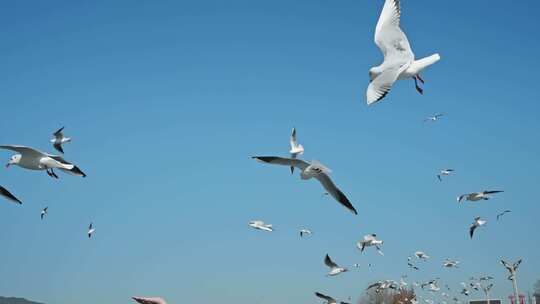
274	160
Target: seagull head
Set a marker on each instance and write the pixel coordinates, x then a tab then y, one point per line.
15	159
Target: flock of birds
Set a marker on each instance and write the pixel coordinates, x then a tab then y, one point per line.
399	63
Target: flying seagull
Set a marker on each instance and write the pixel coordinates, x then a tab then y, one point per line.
477	223
399	62
33	159
260	225
434	117
421	255
477	196
304	232
450	263
59	139
334	268
296	149
370	240
444	172
502	213
6	194
91	230
149	300
311	170
44	212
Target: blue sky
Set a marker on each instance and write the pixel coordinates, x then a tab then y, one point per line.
167	101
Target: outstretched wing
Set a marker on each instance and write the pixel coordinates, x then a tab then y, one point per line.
149	300
58	147
25	151
325	297
328	261
5	193
293	140
58	133
274	160
327	183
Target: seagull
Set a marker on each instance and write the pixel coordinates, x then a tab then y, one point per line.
311	170
59	139
296	149
511	267
502	213
399	62
334	268
412	266
477	196
432	285
328	299
486	278
421	255
450	263
434	117
149	300
44	212
33	159
382	285
444	172
370	240
6	194
91	230
477	223
305	232
260	225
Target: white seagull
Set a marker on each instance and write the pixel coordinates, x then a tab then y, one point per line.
311	170
296	149
44	212
448	263
6	194
434	117
477	196
91	230
33	159
477	223
444	172
370	240
304	232
399	61
421	255
334	268
142	300
59	139
260	225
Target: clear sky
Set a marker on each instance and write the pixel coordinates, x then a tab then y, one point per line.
167	100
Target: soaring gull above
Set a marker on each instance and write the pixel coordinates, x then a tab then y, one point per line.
399	61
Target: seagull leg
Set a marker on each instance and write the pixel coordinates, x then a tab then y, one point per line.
420	78
48	172
54	174
418	88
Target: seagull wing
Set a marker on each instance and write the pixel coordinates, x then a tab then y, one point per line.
334	191
492	192
5	193
328	261
461	197
471	230
25	151
516	264
293	140
58	147
298	163
149	300
396	50
58	133
325	297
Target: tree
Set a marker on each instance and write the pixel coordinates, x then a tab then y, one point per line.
388	296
